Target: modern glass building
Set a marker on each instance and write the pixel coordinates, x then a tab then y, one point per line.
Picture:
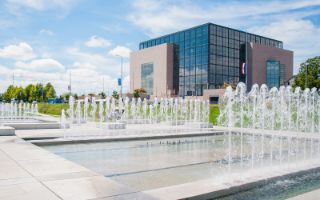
209	55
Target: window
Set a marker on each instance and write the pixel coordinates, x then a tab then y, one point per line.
282	73
181	80
181	71
187	35
273	73
219	41
219	60
213	30
236	35
213	59
231	34
225	32
219	31
225	42
147	77
213	39
242	37
213	49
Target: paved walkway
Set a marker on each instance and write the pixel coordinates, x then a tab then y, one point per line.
30	172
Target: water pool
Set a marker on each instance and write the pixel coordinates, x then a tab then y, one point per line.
149	164
280	189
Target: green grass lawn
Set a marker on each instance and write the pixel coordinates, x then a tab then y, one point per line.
52	109
214	113
55	110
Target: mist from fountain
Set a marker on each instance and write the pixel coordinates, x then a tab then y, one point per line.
138	111
17	110
273	127
274	109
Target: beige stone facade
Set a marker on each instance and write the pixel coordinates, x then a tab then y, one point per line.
258	55
161	57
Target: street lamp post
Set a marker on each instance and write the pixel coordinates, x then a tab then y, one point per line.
306	81
121	75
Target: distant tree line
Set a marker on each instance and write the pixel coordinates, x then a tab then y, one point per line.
32	92
65	96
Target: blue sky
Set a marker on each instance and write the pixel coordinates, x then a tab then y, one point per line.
45	40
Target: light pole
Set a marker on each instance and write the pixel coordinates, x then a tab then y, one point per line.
121	82
70	88
306	81
103	85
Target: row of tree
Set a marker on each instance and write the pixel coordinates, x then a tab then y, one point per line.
65	96
32	92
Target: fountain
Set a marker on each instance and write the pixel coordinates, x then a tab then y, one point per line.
23	115
283	109
274	127
17	111
141	111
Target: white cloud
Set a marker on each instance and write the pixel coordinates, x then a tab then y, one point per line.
22	51
87	72
104	64
24	77
89	69
46	32
41	65
84	66
120	51
40	5
86	80
101	62
95	41
161	17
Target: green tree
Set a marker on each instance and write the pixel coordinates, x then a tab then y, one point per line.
26	92
33	94
65	96
40	92
49	91
19	93
115	94
102	95
13	92
30	92
9	93
75	95
309	74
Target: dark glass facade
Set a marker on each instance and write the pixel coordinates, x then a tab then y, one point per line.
207	56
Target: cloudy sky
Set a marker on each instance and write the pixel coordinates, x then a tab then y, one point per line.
46	40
